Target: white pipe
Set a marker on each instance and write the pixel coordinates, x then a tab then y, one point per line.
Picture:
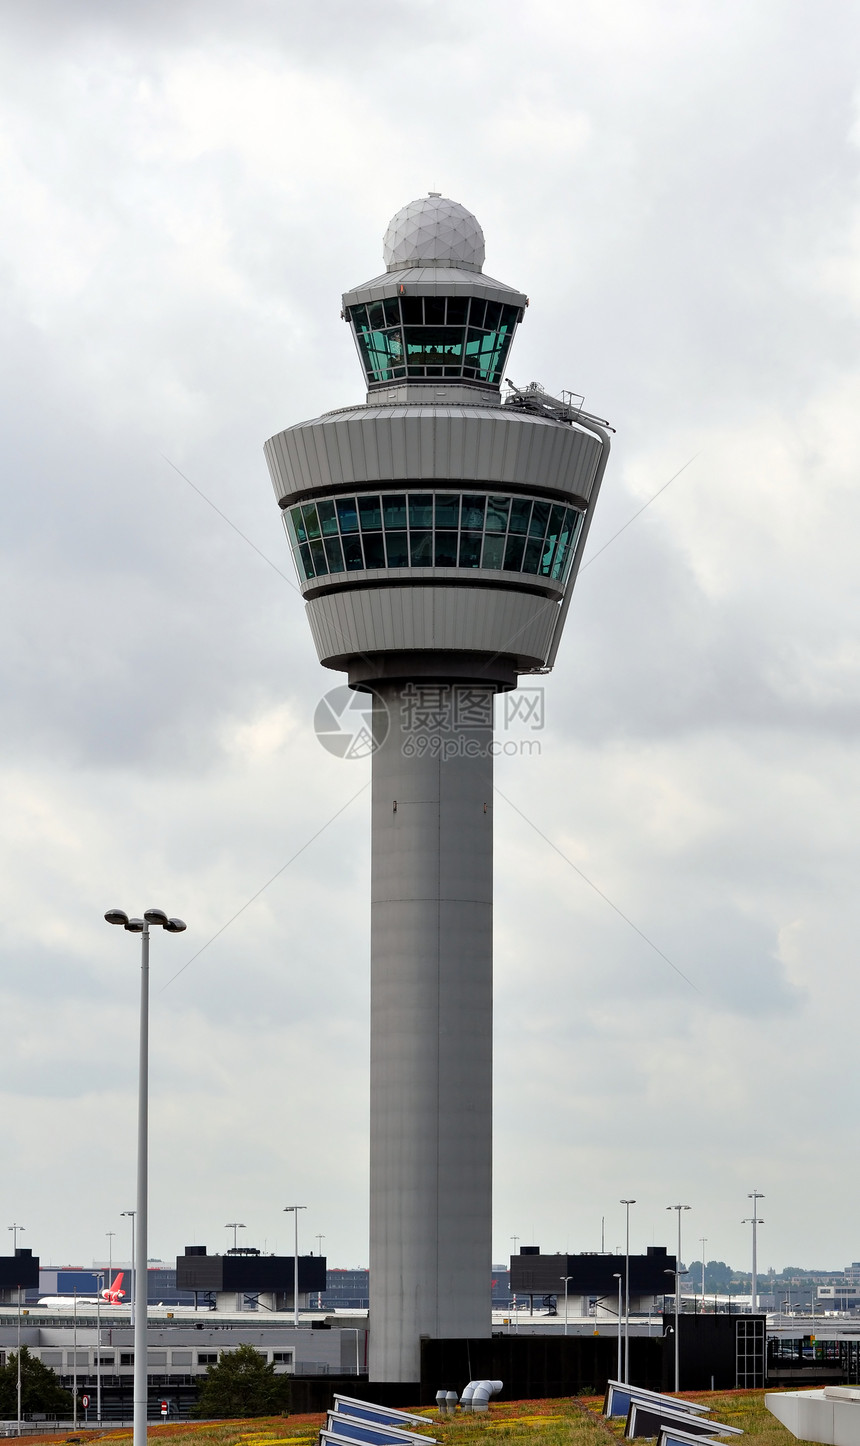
476	1396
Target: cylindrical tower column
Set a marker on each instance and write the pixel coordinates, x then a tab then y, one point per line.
437	532
431	1019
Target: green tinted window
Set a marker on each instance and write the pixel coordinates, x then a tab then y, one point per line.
470	549
352	553
347	514
370	514
327	517
447	510
472	516
497	513
433	336
334	556
520	514
540	518
532	555
421	509
374	550
393	510
421	549
312	525
426	529
445	552
494	551
397	548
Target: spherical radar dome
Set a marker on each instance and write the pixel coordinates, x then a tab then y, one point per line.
433	231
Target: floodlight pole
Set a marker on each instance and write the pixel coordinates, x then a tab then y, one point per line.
617	1276
142	926
75	1360
99	1288
140	1389
703	1240
626	1378
753	1220
19	1359
295	1213
679	1208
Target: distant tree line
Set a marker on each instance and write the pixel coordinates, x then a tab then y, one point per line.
722	1279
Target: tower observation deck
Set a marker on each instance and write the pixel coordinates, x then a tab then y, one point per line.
437	532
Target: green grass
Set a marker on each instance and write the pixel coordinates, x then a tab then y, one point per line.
566	1422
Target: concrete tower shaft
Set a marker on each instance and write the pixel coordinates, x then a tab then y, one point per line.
437	533
431	1034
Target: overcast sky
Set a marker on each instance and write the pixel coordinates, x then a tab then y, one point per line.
187	188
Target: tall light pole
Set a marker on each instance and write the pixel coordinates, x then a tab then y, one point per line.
110	1235
235	1226
75	1360
703	1240
131	1214
754	1221
565	1278
19	1227
294	1210
617	1276
678	1274
100	1279
15	1229
319	1240
627	1204
152	918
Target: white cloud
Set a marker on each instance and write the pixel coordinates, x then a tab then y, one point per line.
187	190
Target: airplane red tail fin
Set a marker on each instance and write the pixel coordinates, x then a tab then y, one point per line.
115	1294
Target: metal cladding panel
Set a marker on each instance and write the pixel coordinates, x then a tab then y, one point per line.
491	445
366	621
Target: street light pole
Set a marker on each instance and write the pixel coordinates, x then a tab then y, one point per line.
627	1204
565	1278
753	1220
152	918
679	1209
19	1356
294	1209
99	1288
132	1214
617	1276
235	1226
75	1365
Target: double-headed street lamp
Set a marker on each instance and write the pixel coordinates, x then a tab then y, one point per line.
626	1376
295	1213
754	1220
152	918
678	1273
617	1276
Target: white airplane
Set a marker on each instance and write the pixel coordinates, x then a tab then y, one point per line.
111	1296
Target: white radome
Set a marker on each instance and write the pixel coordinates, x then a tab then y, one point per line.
433	231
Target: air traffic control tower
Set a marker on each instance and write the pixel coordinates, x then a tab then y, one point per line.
437	531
